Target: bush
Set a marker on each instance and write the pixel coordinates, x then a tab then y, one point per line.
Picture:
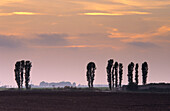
132	86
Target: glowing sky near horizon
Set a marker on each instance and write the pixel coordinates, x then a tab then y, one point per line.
61	36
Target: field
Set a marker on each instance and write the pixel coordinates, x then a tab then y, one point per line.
44	100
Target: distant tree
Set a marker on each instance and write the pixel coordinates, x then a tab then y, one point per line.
74	84
144	72
22	71
91	67
27	73
108	69
130	72
120	73
132	86
116	73
136	74
113	78
17	73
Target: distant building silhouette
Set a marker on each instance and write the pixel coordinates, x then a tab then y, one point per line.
56	84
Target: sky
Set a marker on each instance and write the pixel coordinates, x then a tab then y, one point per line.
60	37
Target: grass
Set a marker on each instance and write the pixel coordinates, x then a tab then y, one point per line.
96	89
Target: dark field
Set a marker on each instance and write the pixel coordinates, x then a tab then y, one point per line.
82	101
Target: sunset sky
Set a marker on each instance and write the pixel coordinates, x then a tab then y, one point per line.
60	37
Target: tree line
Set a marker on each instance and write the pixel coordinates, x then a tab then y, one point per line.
113	73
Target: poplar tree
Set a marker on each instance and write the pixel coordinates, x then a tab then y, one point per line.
17	74
22	71
120	73
27	73
113	77
136	74
91	67
109	72
144	72
130	72
116	74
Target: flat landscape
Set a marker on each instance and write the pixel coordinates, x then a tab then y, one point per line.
82	101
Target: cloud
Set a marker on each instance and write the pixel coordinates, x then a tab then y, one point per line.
53	39
118	13
120	7
82	40
144	4
112	6
8	2
10	41
97	6
163	30
112	9
93	40
114	33
19	13
90	35
90	46
79	46
143	44
106	14
129	37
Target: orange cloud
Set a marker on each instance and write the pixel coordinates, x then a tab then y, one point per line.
99	6
160	31
79	46
19	13
118	13
121	5
72	38
94	46
128	37
108	14
71	46
163	29
25	13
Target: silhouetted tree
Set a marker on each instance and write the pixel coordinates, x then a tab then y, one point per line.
27	73
130	72
120	73
113	78
22	71
91	67
136	74
116	73
144	72
17	73
108	69
132	86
